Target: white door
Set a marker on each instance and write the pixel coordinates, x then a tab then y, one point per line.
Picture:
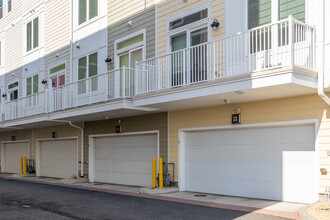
58	158
125	159
12	153
276	163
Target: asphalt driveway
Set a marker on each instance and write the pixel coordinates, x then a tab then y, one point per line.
23	200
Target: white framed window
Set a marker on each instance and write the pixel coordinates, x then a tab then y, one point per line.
57	76
188	30
1	10
32	34
262	12
9	6
130	49
87	68
32	85
13	91
87	9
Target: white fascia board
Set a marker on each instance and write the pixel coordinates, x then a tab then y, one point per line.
229	86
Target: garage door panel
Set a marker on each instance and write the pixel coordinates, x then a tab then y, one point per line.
236	170
131	153
132	166
137	179
125	159
254	162
13	152
252	136
134	140
58	158
268	189
221	153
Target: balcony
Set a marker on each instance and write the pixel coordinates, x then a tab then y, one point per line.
284	49
109	87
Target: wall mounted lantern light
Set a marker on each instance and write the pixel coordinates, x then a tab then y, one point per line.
108	60
215	24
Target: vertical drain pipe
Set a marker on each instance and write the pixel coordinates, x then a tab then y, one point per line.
82	146
321	73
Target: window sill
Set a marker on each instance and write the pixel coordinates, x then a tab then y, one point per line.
33	50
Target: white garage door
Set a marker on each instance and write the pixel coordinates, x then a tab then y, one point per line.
125	159
12	153
276	163
58	158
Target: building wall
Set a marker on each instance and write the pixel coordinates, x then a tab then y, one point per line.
150	122
143	18
21	135
57	35
294	108
167	9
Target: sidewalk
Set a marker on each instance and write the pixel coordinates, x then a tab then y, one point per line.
274	208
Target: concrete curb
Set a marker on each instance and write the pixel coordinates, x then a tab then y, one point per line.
303	214
289	215
159	191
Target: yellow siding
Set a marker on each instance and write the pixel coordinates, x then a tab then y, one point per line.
296	108
120	10
167	9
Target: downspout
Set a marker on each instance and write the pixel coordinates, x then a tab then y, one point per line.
82	147
81	143
321	72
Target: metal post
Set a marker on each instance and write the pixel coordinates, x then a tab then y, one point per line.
160	164
291	40
154	173
24	166
21	161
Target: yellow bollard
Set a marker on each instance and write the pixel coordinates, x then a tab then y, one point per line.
154	173
21	161
160	173
24	166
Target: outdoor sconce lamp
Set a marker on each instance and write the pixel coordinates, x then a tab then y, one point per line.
4	95
108	60
215	24
44	81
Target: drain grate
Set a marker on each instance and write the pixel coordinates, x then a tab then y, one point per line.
98	184
200	195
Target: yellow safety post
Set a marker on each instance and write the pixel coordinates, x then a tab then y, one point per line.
24	166
154	173
21	161
160	173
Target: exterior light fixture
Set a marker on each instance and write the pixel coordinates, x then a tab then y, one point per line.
78	45
4	95
108	60
44	81
215	24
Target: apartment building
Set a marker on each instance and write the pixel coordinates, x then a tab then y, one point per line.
233	93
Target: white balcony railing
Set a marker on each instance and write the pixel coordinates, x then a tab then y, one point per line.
286	43
26	106
103	87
